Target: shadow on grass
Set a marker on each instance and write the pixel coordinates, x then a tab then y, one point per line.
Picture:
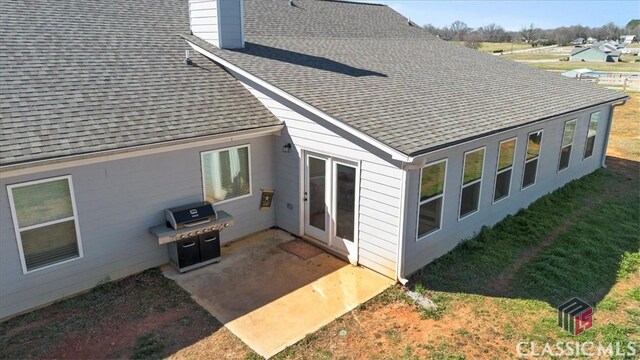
569	243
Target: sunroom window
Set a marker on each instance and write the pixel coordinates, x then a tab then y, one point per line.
45	220
226	174
471	182
431	197
567	144
504	169
591	134
531	160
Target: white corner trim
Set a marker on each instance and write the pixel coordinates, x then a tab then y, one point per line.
395	155
117	154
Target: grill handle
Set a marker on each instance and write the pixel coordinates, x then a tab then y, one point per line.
189	245
196	223
211	239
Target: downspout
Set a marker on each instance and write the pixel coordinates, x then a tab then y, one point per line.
608	132
403	207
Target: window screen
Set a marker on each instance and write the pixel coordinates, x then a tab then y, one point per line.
471	182
506	152
591	134
431	197
534	142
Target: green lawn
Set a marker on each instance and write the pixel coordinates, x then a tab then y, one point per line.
535	56
506	47
596	66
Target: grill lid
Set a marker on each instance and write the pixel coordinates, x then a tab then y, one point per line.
190	215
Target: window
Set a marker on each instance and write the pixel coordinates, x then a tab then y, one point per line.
531	159
506	152
432	182
591	134
45	220
225	174
567	143
471	182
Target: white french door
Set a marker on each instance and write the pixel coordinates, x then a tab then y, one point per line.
331	202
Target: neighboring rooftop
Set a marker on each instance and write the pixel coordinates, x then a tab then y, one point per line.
366	66
80	76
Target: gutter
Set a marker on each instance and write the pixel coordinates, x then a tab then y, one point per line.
608	132
401	238
30	167
395	154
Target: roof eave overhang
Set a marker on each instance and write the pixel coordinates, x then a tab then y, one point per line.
62	162
395	154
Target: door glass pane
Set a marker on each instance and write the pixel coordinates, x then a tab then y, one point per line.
345	201
316	194
44	202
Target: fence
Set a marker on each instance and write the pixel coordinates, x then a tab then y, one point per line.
624	81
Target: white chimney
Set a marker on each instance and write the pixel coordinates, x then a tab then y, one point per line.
218	22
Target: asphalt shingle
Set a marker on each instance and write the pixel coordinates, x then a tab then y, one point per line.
367	66
80	76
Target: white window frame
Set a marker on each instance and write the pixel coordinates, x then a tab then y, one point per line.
526	150
564	130
204	196
498	171
463	185
421	202
586	141
18	230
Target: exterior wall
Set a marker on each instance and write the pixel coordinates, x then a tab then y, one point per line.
203	18
589	55
381	181
419	253
117	202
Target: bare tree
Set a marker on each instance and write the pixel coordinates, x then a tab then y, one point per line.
493	32
458	30
528	34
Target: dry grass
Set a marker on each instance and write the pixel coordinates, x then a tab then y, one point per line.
625	133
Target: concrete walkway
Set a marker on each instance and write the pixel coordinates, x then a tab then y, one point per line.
272	292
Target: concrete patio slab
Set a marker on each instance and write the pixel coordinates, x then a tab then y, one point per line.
271	298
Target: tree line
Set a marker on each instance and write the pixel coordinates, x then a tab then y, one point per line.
459	31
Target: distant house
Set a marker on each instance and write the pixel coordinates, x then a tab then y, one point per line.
591	40
578	41
628	39
594	54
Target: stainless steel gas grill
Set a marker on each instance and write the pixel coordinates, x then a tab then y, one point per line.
192	233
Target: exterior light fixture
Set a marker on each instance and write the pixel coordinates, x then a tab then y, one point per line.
286	148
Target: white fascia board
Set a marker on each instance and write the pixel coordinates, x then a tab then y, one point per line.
395	154
37	166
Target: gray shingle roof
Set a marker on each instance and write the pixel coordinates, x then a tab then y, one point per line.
79	76
367	67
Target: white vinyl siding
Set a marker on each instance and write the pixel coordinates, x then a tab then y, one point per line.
46	222
472	170
432	189
378	227
504	169
532	159
567	144
594	119
226	174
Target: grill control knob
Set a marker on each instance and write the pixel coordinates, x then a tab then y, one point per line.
197	232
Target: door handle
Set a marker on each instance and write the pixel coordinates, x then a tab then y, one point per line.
210	240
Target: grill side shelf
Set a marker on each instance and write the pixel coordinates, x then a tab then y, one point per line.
165	234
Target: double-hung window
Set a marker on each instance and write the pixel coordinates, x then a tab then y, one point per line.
531	159
432	182
471	182
226	174
45	221
504	169
567	144
591	134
